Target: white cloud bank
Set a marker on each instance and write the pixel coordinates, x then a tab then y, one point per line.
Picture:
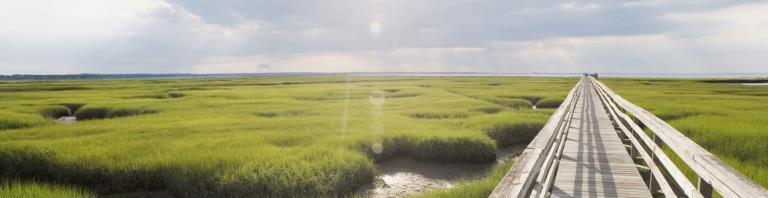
141	36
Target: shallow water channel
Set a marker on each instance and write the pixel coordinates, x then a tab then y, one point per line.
404	176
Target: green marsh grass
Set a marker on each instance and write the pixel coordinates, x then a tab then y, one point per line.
55	112
34	189
258	136
515	103
549	103
93	113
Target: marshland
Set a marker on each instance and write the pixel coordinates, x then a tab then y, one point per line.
336	135
262	136
381	98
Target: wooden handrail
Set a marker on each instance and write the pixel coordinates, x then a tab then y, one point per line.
712	172
650	152
520	179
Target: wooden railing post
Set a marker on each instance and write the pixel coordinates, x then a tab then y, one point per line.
633	152
658	141
654	186
705	188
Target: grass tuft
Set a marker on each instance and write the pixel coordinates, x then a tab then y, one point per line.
17	189
488	110
13	123
402	95
514	103
549	103
507	134
270	114
437	149
55	112
95	113
391	90
438	115
162	95
287	113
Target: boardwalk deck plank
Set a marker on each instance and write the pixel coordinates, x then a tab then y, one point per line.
594	161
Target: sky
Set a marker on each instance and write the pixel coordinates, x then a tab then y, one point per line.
495	36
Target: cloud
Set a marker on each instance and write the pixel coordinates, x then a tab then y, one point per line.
397	60
52	36
573	6
110	36
174	39
644	53
41	21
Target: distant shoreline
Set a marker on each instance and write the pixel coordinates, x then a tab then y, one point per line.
224	75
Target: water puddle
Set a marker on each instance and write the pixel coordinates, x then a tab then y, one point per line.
755	84
403	176
66	120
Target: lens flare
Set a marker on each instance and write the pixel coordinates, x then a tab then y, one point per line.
375	27
377	148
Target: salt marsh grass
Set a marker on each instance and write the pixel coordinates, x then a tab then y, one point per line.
34	189
259	136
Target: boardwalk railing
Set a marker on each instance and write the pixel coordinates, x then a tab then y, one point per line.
535	162
532	174
713	174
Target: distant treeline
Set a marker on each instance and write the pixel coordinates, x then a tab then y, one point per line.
108	76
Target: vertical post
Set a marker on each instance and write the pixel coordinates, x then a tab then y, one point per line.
705	188
634	119
658	141
654	185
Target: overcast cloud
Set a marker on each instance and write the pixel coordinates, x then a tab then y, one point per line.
225	36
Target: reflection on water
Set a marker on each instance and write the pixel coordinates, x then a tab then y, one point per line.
755	84
403	176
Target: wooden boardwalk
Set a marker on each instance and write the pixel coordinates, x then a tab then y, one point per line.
594	161
584	151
